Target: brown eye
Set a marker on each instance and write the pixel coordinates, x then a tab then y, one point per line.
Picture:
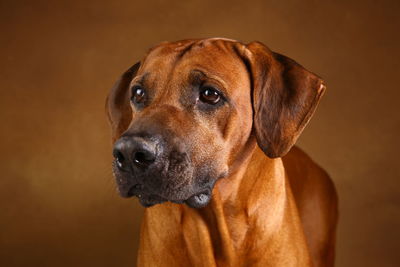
138	95
210	95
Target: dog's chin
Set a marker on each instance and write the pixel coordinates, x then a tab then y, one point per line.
148	201
197	200
196	195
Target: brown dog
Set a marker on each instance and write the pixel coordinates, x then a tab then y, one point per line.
205	123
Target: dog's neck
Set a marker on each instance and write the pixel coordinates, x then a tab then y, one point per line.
251	210
242	171
249	183
252	197
252	174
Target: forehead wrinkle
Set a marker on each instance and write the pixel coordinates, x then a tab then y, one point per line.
176	50
162	61
164	78
194	54
141	79
180	51
199	71
221	65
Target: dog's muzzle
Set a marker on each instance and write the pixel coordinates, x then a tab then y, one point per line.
157	171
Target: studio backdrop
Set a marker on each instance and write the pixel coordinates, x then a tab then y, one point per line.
58	200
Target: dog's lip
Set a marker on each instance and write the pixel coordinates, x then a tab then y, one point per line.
138	191
135	190
198	200
150	200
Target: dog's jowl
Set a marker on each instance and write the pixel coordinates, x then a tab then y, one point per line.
204	133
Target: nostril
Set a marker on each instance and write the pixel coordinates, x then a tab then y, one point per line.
140	157
143	158
119	158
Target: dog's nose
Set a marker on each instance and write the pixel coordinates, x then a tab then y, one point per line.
134	151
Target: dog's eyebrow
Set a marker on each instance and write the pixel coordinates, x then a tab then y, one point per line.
141	79
201	74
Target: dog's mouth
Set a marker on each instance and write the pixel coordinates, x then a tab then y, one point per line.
197	200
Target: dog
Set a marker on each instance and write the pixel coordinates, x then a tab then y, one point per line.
204	133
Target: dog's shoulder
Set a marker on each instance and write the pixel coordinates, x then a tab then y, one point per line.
302	170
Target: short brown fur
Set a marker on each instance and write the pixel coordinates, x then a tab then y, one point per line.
279	210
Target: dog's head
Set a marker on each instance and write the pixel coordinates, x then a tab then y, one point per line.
184	114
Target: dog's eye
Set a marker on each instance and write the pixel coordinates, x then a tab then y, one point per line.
138	95
210	95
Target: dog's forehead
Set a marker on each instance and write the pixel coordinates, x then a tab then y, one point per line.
215	56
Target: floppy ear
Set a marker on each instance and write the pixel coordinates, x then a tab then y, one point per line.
285	96
117	104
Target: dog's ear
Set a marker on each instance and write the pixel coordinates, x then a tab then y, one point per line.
117	104
285	96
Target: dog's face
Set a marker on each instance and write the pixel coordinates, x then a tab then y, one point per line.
183	115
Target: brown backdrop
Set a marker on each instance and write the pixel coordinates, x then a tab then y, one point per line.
58	205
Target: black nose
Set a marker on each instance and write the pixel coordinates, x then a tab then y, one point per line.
134	151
